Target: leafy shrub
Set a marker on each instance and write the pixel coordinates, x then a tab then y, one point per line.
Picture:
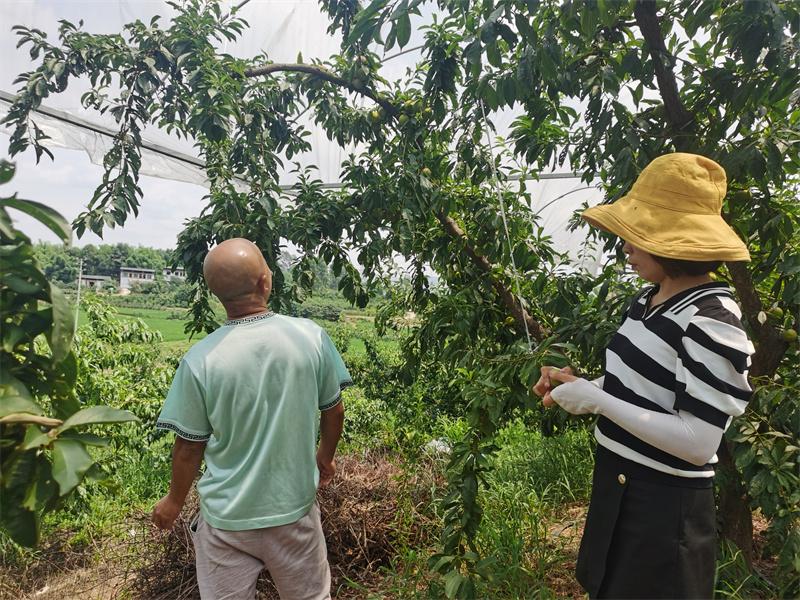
123	366
317	312
44	458
767	451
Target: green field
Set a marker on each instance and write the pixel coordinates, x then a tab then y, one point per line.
169	321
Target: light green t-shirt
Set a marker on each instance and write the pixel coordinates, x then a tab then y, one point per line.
254	389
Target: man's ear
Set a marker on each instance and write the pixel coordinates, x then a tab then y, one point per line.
265	284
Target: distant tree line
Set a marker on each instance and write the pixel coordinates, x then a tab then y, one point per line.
60	263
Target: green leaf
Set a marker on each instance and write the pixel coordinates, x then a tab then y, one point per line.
21	524
60	337
452	582
13	335
42	213
442	562
509	88
588	21
524	27
547	65
403	29
6	226
70	463
493	55
42	489
6	171
15	398
87	439
472	52
97	414
20	285
364	20
34	438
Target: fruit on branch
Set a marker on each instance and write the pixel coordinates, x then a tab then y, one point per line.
789	335
776	313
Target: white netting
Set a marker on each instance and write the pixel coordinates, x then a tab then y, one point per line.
281	29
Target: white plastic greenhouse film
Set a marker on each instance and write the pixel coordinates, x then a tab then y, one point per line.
282	30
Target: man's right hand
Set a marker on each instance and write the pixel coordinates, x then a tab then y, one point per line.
327	469
165	512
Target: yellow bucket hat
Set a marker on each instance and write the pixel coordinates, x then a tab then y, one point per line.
674	210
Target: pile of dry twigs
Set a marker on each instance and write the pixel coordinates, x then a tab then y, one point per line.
360	518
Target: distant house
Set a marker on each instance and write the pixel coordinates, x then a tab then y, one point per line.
94	281
130	275
177	273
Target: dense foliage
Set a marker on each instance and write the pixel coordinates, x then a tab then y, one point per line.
599	88
43	458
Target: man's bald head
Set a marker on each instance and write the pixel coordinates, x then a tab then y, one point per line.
235	271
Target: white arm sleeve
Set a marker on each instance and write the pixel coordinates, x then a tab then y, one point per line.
599	381
682	435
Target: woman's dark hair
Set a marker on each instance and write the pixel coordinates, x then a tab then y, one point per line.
675	267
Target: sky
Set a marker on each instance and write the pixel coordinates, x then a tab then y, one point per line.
280	28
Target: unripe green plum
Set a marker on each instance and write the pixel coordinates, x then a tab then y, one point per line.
776	313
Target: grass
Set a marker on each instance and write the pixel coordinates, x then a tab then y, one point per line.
168	321
529	526
534	506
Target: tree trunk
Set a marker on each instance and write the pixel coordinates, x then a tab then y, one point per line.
734	504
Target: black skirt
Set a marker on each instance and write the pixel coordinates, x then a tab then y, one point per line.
647	534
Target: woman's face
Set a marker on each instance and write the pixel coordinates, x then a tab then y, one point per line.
644	264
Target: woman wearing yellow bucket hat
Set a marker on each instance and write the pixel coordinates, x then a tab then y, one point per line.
675	375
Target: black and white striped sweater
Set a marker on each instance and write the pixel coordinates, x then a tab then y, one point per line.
689	354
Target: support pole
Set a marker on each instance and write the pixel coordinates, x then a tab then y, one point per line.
78	299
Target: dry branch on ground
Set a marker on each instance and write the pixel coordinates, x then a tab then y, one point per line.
360	516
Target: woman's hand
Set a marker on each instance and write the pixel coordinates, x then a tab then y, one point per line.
550	378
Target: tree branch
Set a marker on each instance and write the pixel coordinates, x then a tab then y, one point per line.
523	319
323	73
27	418
678	117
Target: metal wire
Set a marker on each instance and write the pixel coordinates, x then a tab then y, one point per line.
496	181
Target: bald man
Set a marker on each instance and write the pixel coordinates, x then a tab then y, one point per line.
247	399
